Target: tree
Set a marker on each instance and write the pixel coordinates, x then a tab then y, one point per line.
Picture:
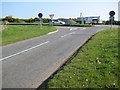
36	19
9	19
74	19
46	20
16	19
117	22
31	20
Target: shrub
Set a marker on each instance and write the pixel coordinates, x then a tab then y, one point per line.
77	25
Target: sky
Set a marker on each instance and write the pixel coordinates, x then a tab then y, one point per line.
68	9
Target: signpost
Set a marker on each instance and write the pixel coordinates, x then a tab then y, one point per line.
40	18
51	16
111	13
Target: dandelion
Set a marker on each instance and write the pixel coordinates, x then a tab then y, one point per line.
86	79
113	83
99	62
102	56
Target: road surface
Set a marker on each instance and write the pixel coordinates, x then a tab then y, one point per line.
28	63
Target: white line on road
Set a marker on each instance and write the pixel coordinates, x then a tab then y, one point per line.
53	32
63	27
72	29
99	30
83	28
24	51
67	34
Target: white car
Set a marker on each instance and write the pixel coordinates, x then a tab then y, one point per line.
58	22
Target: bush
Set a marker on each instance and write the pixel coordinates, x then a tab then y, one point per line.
114	23
77	25
117	23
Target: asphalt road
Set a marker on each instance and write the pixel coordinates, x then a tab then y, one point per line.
28	63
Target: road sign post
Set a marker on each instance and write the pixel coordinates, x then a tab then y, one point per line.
40	18
51	16
111	13
111	21
40	23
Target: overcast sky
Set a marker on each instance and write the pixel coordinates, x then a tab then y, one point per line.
68	9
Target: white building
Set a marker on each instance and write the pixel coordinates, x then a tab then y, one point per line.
89	20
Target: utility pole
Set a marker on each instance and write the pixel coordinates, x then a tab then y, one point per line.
82	19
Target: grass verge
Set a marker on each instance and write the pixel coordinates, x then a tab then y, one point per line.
94	66
44	24
76	25
15	33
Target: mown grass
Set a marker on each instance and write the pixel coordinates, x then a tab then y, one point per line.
15	33
44	24
22	23
76	25
94	66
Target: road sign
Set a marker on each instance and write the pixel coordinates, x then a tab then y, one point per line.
51	15
40	15
111	13
40	18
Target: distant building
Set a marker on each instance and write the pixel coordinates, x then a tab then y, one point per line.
88	20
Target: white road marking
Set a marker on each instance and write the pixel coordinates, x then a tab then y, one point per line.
24	51
63	27
99	30
72	29
64	35
53	32
67	34
83	28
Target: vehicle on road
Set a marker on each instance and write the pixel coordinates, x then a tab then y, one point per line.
58	22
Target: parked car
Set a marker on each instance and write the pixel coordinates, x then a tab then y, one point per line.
58	22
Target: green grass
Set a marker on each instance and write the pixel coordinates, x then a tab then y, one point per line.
22	23
44	24
15	33
94	66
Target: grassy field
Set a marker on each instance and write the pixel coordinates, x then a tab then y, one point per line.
94	66
76	25
15	33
